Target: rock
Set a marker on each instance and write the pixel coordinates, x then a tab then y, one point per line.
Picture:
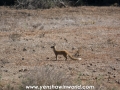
114	76
118	81
94	70
109	72
33	50
25	70
60	66
4	61
22	70
90	64
73	48
5	70
42	35
48	58
24	49
70	68
22	58
50	65
65	39
118	59
114	68
43	46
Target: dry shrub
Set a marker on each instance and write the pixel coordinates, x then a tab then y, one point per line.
45	75
43	4
15	37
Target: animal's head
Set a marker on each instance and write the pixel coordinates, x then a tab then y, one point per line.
53	46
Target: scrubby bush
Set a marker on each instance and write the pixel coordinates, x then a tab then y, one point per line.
43	4
45	75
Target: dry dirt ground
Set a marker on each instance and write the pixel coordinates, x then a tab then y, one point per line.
91	33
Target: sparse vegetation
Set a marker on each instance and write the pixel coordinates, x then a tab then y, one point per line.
43	4
27	35
32	4
9	87
15	37
79	78
45	75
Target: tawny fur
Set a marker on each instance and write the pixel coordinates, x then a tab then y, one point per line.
64	53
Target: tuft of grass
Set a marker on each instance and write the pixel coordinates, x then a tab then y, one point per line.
79	78
15	37
43	4
99	79
9	87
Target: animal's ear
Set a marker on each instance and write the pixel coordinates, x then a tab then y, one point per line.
51	46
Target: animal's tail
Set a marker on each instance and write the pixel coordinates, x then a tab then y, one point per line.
73	57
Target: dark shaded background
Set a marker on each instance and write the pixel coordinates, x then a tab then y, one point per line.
75	2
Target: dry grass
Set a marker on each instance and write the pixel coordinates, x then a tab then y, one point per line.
92	33
45	75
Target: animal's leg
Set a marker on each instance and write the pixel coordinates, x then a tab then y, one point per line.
65	56
56	57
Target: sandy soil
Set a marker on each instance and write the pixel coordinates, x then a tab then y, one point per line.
91	33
